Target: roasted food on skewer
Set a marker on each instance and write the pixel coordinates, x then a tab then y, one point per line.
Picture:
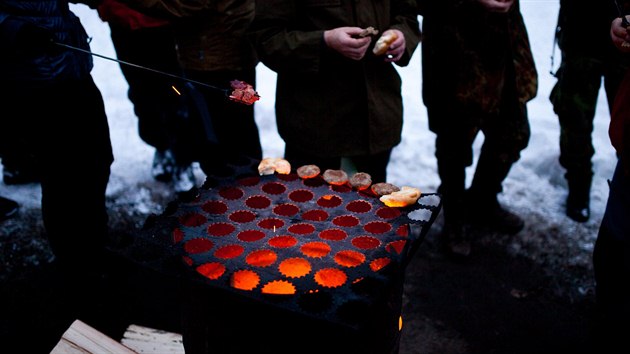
269	165
402	198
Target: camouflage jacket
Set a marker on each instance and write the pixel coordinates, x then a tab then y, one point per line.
467	51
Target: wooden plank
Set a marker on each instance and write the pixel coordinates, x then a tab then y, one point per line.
80	338
146	340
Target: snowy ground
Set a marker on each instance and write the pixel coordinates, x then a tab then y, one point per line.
535	187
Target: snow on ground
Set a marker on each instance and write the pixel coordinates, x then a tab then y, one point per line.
535	187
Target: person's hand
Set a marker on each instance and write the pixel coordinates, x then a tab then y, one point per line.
397	48
33	41
619	35
501	6
345	40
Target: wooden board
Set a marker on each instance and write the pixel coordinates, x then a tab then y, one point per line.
83	339
148	340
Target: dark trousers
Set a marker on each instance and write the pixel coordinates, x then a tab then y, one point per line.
233	122
574	98
66	127
506	134
156	98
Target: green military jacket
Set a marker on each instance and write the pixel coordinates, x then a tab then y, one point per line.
210	34
326	103
465	53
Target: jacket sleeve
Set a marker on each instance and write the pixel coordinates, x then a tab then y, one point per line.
173	9
9	29
278	45
405	19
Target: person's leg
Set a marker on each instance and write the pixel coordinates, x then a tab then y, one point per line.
574	98
233	123
506	135
375	165
453	150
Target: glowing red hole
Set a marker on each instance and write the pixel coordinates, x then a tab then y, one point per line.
286	209
329	201
214	207
396	246
346	221
302	229
359	206
315	215
178	235
271	224
249	181
258	202
274	188
388	213
231	193
287	177
229	251
403	230
198	245
250	235
220	229
242	216
366	242
211	270
333	234
341	188
377	227
301	196
192	220
284	241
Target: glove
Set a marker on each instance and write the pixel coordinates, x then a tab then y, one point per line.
32	41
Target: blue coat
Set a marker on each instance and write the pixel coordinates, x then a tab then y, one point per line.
56	64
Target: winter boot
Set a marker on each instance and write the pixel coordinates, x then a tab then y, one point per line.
578	200
453	241
487	212
482	205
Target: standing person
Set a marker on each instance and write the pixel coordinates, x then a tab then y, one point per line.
212	48
62	116
335	98
471	54
611	255
148	41
588	55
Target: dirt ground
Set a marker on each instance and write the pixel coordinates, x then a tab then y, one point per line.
496	301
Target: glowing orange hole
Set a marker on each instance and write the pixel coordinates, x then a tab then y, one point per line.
261	258
379	263
244	280
295	267
348	258
315	249
330	277
211	270
279	287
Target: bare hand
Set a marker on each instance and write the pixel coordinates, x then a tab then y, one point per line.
501	6
397	48
619	35
345	41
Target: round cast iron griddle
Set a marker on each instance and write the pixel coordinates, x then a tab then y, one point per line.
325	251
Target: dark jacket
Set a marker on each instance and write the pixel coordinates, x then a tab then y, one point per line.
210	35
60	64
467	51
326	103
584	26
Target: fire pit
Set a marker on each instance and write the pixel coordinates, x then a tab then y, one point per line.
299	249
